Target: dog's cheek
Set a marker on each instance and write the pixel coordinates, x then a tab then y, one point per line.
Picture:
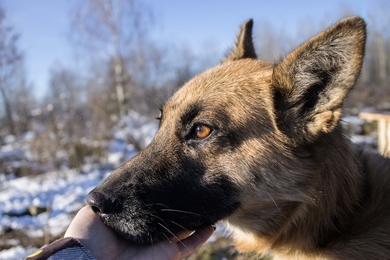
194	188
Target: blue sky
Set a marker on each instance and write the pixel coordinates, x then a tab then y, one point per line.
44	24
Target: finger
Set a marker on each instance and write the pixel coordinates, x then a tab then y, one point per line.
187	246
82	221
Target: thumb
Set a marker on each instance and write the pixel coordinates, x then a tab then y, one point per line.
187	246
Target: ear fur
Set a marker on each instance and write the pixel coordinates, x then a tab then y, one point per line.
311	83
243	47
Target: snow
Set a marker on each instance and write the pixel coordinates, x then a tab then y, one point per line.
64	191
17	252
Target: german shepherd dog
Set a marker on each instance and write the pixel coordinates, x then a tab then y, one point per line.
260	146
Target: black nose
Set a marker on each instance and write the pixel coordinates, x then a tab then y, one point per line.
100	202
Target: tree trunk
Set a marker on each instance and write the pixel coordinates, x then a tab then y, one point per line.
8	111
381	57
120	93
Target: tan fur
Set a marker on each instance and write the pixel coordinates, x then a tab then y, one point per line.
334	175
337	189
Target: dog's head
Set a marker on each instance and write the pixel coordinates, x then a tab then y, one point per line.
234	142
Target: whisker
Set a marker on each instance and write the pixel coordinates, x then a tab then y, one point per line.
170	241
168	209
170	232
177	224
193	232
151	242
180	211
160	204
159	218
274	201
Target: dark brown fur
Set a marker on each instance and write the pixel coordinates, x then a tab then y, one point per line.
276	167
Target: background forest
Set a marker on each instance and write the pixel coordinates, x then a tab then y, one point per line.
126	73
100	116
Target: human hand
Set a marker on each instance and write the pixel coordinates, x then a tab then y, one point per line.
103	243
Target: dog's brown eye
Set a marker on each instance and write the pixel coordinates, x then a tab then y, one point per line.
202	131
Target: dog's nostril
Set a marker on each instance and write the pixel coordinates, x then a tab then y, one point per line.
99	202
95	209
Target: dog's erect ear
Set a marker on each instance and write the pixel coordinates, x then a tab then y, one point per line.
243	48
311	83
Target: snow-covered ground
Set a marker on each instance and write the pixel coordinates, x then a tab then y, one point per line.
63	191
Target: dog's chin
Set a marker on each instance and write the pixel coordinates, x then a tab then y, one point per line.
149	233
138	238
147	237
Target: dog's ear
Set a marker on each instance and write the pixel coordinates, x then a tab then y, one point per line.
311	83
243	47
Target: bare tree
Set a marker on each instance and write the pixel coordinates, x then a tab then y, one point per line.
373	88
65	94
22	99
114	33
271	43
10	62
66	118
64	88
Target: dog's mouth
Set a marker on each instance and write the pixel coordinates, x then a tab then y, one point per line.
151	228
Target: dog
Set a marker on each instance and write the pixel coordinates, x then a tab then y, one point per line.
260	146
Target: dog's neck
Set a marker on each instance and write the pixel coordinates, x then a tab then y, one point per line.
311	226
339	192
